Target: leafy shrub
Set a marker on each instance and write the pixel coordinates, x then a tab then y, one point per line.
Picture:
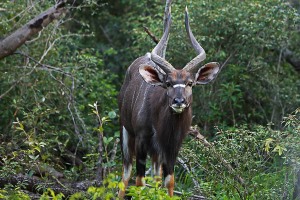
266	159
13	194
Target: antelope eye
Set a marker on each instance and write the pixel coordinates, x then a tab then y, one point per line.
168	84
190	83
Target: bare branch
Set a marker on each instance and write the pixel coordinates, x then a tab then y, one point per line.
189	171
16	83
100	168
146	29
43	66
9	44
11	87
113	152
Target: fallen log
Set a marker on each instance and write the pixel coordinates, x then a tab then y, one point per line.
37	185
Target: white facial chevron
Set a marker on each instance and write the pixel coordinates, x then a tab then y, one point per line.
179	85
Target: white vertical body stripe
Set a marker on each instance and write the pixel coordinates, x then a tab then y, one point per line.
125	143
179	85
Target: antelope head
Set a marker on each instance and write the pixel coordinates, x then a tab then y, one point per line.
179	82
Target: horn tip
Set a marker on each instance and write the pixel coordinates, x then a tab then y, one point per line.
186	10
186	13
186	17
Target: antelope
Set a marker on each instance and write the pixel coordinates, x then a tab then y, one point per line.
155	109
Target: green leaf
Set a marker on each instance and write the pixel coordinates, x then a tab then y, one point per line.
105	140
279	149
42	144
267	144
37	148
112	114
33	157
109	139
100	129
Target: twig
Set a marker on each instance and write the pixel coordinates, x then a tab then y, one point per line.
105	34
229	57
152	36
43	66
18	15
71	102
194	196
100	170
113	152
11	87
16	83
185	166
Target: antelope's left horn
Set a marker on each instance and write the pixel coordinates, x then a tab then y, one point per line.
191	66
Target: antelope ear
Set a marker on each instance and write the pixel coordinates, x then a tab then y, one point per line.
207	73
151	75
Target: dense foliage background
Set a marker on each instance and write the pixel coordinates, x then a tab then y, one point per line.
58	94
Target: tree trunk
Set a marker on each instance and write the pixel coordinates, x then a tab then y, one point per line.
293	60
296	193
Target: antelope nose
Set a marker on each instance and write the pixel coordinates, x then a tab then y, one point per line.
179	101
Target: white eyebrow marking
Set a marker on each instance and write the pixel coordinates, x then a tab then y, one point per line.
179	85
